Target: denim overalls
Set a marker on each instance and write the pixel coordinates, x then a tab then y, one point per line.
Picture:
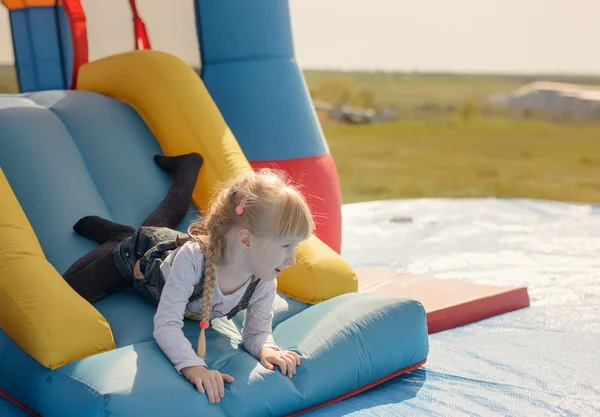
138	259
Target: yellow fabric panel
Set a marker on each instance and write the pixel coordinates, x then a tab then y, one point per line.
17	237
319	274
21	4
38	309
178	109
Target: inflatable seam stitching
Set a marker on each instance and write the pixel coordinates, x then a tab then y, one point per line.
93	391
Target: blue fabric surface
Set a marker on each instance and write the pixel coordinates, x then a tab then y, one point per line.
39	48
42	389
71	154
250	70
233	34
8	409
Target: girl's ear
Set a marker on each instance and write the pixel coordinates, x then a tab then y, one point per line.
244	239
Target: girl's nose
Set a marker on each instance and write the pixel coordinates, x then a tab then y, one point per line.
291	260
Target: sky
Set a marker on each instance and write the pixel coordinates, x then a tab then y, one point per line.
515	36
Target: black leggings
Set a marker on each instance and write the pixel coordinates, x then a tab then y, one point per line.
94	275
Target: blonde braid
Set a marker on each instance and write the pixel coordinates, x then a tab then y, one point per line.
213	254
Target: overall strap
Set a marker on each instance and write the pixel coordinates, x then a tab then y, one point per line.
242	305
245	301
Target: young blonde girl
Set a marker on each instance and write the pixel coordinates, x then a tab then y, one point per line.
247	238
228	262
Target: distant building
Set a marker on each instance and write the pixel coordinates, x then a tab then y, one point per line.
551	96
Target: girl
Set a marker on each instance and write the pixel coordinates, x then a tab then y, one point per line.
229	261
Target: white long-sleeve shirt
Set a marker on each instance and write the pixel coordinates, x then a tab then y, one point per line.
181	270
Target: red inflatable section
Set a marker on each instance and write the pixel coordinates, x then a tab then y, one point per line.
78	27
318	180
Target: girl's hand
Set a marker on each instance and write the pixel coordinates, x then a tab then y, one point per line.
207	380
287	360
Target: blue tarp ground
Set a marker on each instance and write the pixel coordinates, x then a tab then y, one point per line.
542	360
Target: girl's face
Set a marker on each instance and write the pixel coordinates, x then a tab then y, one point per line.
268	257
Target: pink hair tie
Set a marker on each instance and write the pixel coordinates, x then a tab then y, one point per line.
204	324
239	209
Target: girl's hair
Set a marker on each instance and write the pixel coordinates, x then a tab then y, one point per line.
265	203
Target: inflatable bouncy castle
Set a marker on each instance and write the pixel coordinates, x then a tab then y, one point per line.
79	139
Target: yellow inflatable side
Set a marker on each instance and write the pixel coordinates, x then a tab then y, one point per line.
38	309
178	109
320	273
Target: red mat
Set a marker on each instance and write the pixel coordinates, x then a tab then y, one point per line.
449	303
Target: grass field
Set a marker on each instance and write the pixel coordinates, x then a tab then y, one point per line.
432	153
480	159
411	91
